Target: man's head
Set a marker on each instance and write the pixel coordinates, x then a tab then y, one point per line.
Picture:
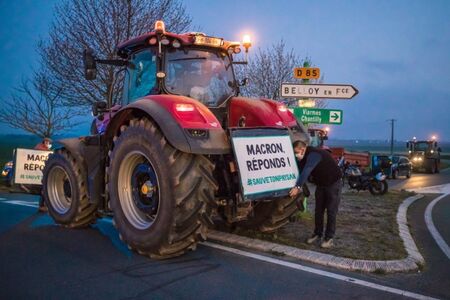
299	149
47	142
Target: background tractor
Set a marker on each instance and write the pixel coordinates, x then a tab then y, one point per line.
181	148
424	155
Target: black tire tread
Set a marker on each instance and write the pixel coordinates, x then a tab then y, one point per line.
86	212
270	216
189	225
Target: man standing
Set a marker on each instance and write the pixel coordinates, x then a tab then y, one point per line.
45	145
326	175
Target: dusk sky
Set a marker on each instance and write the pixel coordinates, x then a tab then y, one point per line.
397	53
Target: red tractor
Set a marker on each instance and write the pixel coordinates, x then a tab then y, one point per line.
181	149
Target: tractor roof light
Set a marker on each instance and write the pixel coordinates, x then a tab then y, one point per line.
433	137
246	42
160	27
165	41
176	44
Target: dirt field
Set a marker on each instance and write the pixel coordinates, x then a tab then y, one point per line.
366	228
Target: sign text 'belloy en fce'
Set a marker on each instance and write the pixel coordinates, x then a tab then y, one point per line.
334	91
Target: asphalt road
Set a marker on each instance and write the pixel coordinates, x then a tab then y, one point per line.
39	260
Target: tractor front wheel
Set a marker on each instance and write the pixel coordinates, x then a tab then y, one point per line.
65	191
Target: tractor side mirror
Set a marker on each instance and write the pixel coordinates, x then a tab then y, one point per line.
90	66
407	145
98	108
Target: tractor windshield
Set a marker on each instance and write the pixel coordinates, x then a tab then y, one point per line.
200	74
421	146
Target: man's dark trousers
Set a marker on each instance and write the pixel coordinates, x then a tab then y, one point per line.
327	197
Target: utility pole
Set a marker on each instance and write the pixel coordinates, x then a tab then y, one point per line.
392	135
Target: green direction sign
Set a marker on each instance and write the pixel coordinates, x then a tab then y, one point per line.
319	116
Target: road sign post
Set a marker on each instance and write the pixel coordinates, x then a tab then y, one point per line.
319	116
332	91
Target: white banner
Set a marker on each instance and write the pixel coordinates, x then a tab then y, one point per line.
266	163
29	165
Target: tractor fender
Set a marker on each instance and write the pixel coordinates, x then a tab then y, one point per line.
156	108
75	147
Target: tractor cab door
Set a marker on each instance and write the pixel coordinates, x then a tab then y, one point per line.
140	77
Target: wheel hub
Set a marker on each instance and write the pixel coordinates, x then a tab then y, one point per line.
144	187
148	188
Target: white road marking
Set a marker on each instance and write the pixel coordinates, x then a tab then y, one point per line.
437	189
318	272
434	232
22	203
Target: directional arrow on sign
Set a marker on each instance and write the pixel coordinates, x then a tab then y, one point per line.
333	91
335	116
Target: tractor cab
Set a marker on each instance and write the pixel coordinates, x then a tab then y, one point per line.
192	65
191	75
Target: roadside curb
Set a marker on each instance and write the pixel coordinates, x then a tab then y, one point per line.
410	263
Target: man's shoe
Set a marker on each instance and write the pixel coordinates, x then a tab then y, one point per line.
312	239
327	243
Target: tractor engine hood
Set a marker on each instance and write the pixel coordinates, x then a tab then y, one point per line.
249	112
259	112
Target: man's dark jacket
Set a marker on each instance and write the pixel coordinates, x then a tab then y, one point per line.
326	172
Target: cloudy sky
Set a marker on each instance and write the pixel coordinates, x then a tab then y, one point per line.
397	53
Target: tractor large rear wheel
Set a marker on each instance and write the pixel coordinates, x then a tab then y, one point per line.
270	216
65	191
158	194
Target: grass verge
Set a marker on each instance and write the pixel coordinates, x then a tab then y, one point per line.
366	228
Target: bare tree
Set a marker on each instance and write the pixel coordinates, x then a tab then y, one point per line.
36	107
100	25
270	67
